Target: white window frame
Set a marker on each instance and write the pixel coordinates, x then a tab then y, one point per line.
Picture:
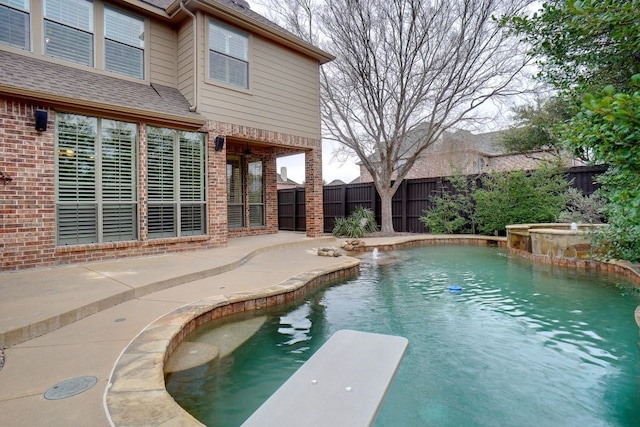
175	185
72	26
13	9
235	191
105	202
126	41
256	196
226	53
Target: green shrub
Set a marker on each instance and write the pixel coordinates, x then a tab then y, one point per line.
453	210
583	209
520	198
360	222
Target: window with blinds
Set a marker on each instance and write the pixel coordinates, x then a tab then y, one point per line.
176	183
14	24
256	193
68	30
228	55
123	43
96	193
235	203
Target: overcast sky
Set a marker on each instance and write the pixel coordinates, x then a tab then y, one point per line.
331	168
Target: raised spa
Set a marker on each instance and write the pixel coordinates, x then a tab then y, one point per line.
514	343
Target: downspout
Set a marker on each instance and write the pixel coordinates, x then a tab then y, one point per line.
194	107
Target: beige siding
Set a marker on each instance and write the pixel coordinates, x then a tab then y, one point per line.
163	43
284	93
185	61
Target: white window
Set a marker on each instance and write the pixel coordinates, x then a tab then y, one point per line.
228	55
176	183
96	193
256	193
235	204
123	43
14	23
68	30
242	198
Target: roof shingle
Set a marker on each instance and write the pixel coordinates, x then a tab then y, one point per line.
25	73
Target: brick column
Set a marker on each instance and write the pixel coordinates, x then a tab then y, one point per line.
217	229
313	192
271	193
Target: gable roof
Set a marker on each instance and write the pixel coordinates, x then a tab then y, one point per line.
279	180
336	182
51	83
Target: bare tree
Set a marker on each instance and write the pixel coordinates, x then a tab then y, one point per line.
406	71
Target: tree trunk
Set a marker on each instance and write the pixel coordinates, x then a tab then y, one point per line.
386	216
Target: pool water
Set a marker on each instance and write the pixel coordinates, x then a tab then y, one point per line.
520	345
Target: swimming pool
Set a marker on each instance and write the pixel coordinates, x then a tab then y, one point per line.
521	344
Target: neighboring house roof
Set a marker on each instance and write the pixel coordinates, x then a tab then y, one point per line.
485	144
49	82
356	180
337	182
279	180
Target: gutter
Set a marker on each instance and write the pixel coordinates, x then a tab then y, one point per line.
196	65
104	109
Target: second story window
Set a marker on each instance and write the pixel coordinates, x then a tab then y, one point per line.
68	30
228	55
123	43
14	23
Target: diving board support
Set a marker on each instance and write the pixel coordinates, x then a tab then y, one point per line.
343	384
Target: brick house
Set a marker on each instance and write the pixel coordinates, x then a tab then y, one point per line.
468	153
132	127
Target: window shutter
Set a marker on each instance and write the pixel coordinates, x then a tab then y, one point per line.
256	193
124	59
192	184
68	43
235	217
14	26
77	224
228	55
161	183
119	191
124	43
77	219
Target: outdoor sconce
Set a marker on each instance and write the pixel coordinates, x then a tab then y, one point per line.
218	143
41	120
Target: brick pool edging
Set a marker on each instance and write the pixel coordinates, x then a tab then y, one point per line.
136	393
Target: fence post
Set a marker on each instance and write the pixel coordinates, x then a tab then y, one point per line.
343	200
295	208
374	192
403	208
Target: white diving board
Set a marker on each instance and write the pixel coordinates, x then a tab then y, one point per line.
343	384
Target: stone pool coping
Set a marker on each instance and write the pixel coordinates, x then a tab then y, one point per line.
136	394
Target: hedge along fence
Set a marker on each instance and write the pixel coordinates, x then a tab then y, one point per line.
409	203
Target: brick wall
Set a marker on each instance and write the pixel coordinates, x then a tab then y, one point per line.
28	200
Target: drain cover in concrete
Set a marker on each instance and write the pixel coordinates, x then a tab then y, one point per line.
70	387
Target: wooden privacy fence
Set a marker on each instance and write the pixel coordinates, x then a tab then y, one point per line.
409	203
